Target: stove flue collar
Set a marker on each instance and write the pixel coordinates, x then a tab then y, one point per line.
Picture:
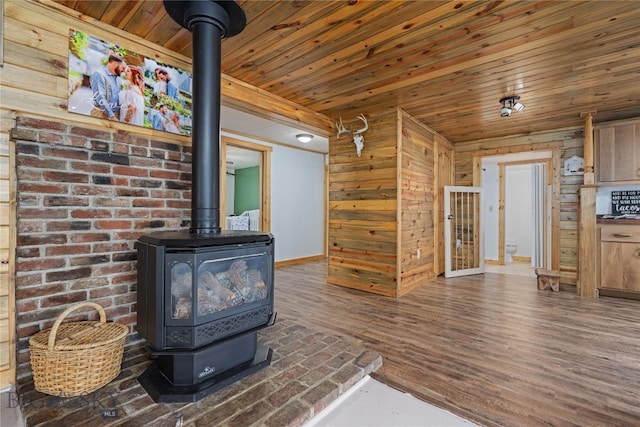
228	16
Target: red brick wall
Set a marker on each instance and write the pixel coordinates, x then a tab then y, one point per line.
83	198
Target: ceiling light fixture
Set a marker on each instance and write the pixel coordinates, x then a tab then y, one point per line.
510	103
304	137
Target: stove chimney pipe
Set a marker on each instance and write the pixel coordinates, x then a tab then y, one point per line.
209	22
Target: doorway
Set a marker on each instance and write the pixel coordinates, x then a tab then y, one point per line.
245	177
521	209
518	216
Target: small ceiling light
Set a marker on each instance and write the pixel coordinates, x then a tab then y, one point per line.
304	137
510	103
518	106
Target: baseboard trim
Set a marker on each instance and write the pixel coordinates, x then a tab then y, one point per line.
298	260
619	293
521	258
492	261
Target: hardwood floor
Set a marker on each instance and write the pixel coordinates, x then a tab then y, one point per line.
515	268
491	348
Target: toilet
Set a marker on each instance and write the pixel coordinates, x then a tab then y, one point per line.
509	250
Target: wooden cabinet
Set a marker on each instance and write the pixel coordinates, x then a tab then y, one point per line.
620	257
617	152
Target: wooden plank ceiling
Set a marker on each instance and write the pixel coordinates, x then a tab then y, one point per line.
445	63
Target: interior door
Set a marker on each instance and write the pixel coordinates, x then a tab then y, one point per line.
540	239
464	249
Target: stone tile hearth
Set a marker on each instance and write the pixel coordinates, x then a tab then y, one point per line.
309	370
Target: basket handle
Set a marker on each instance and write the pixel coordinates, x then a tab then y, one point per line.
56	325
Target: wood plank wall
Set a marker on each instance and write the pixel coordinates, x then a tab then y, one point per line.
363	201
35	72
382	206
417	212
571	140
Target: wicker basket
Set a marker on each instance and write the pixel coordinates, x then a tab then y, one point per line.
77	358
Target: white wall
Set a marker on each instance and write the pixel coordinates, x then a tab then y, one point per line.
517	208
297	200
491	219
297	203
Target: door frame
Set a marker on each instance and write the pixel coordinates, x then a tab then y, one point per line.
265	177
502	166
553	175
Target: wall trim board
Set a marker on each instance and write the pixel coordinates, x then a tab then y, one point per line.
302	260
248	144
544	146
542	137
399	118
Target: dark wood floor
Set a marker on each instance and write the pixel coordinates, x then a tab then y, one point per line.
491	348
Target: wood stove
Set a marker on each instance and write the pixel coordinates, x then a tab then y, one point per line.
203	294
201	289
201	300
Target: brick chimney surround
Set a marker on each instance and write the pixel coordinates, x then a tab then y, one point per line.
84	196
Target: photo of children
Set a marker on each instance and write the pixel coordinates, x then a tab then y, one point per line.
110	82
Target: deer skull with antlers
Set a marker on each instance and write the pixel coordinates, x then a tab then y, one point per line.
358	139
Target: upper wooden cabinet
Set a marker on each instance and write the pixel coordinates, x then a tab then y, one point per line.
617	152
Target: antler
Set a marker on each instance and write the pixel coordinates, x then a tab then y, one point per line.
342	129
358	139
366	125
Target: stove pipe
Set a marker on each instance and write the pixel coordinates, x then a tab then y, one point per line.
209	21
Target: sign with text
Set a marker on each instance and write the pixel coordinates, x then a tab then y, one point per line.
625	202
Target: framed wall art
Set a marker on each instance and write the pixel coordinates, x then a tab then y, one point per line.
112	82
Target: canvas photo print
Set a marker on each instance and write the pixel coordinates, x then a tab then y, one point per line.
113	83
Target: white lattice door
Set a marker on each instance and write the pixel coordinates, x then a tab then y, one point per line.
464	250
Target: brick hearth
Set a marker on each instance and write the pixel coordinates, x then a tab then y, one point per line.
309	370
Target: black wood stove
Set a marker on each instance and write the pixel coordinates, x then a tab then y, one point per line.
204	293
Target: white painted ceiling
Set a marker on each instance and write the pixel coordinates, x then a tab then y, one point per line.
247	124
